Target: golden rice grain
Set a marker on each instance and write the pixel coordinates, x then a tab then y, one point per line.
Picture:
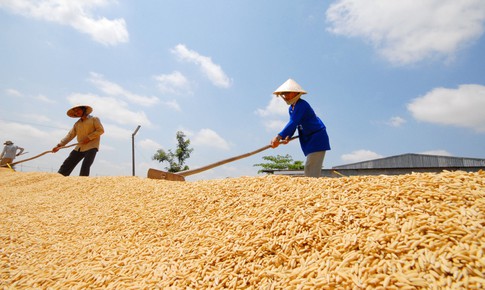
415	231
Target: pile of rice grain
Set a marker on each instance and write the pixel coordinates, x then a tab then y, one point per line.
270	232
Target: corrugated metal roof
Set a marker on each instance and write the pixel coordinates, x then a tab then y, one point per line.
412	160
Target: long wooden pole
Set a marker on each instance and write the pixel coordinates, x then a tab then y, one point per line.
222	162
37	156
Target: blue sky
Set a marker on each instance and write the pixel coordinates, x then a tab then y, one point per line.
386	77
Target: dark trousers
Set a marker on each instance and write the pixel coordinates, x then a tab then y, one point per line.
74	158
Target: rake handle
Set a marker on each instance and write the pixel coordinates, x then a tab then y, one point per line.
41	154
222	162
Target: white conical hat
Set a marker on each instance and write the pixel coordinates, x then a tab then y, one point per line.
289	86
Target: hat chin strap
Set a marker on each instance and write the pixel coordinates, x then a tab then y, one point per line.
293	100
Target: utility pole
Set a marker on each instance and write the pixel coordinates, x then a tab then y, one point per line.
133	148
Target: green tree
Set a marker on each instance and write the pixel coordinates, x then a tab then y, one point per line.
280	162
175	160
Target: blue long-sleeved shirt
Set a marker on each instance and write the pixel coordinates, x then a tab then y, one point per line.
311	130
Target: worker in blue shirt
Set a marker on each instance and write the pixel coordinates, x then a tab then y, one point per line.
312	132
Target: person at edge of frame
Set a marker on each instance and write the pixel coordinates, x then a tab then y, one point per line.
9	153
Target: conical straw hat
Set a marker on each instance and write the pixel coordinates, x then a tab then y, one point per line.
289	86
71	114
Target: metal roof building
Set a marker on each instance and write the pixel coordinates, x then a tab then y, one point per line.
400	164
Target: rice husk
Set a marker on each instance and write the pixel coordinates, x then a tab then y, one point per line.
410	231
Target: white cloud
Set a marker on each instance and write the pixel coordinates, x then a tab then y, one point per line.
111	109
213	71
23	131
76	14
360	155
114	89
274	125
175	83
406	32
276	106
39	119
149	145
45	99
116	132
13	93
209	138
439	152
107	147
29	137
173	104
396	121
462	107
